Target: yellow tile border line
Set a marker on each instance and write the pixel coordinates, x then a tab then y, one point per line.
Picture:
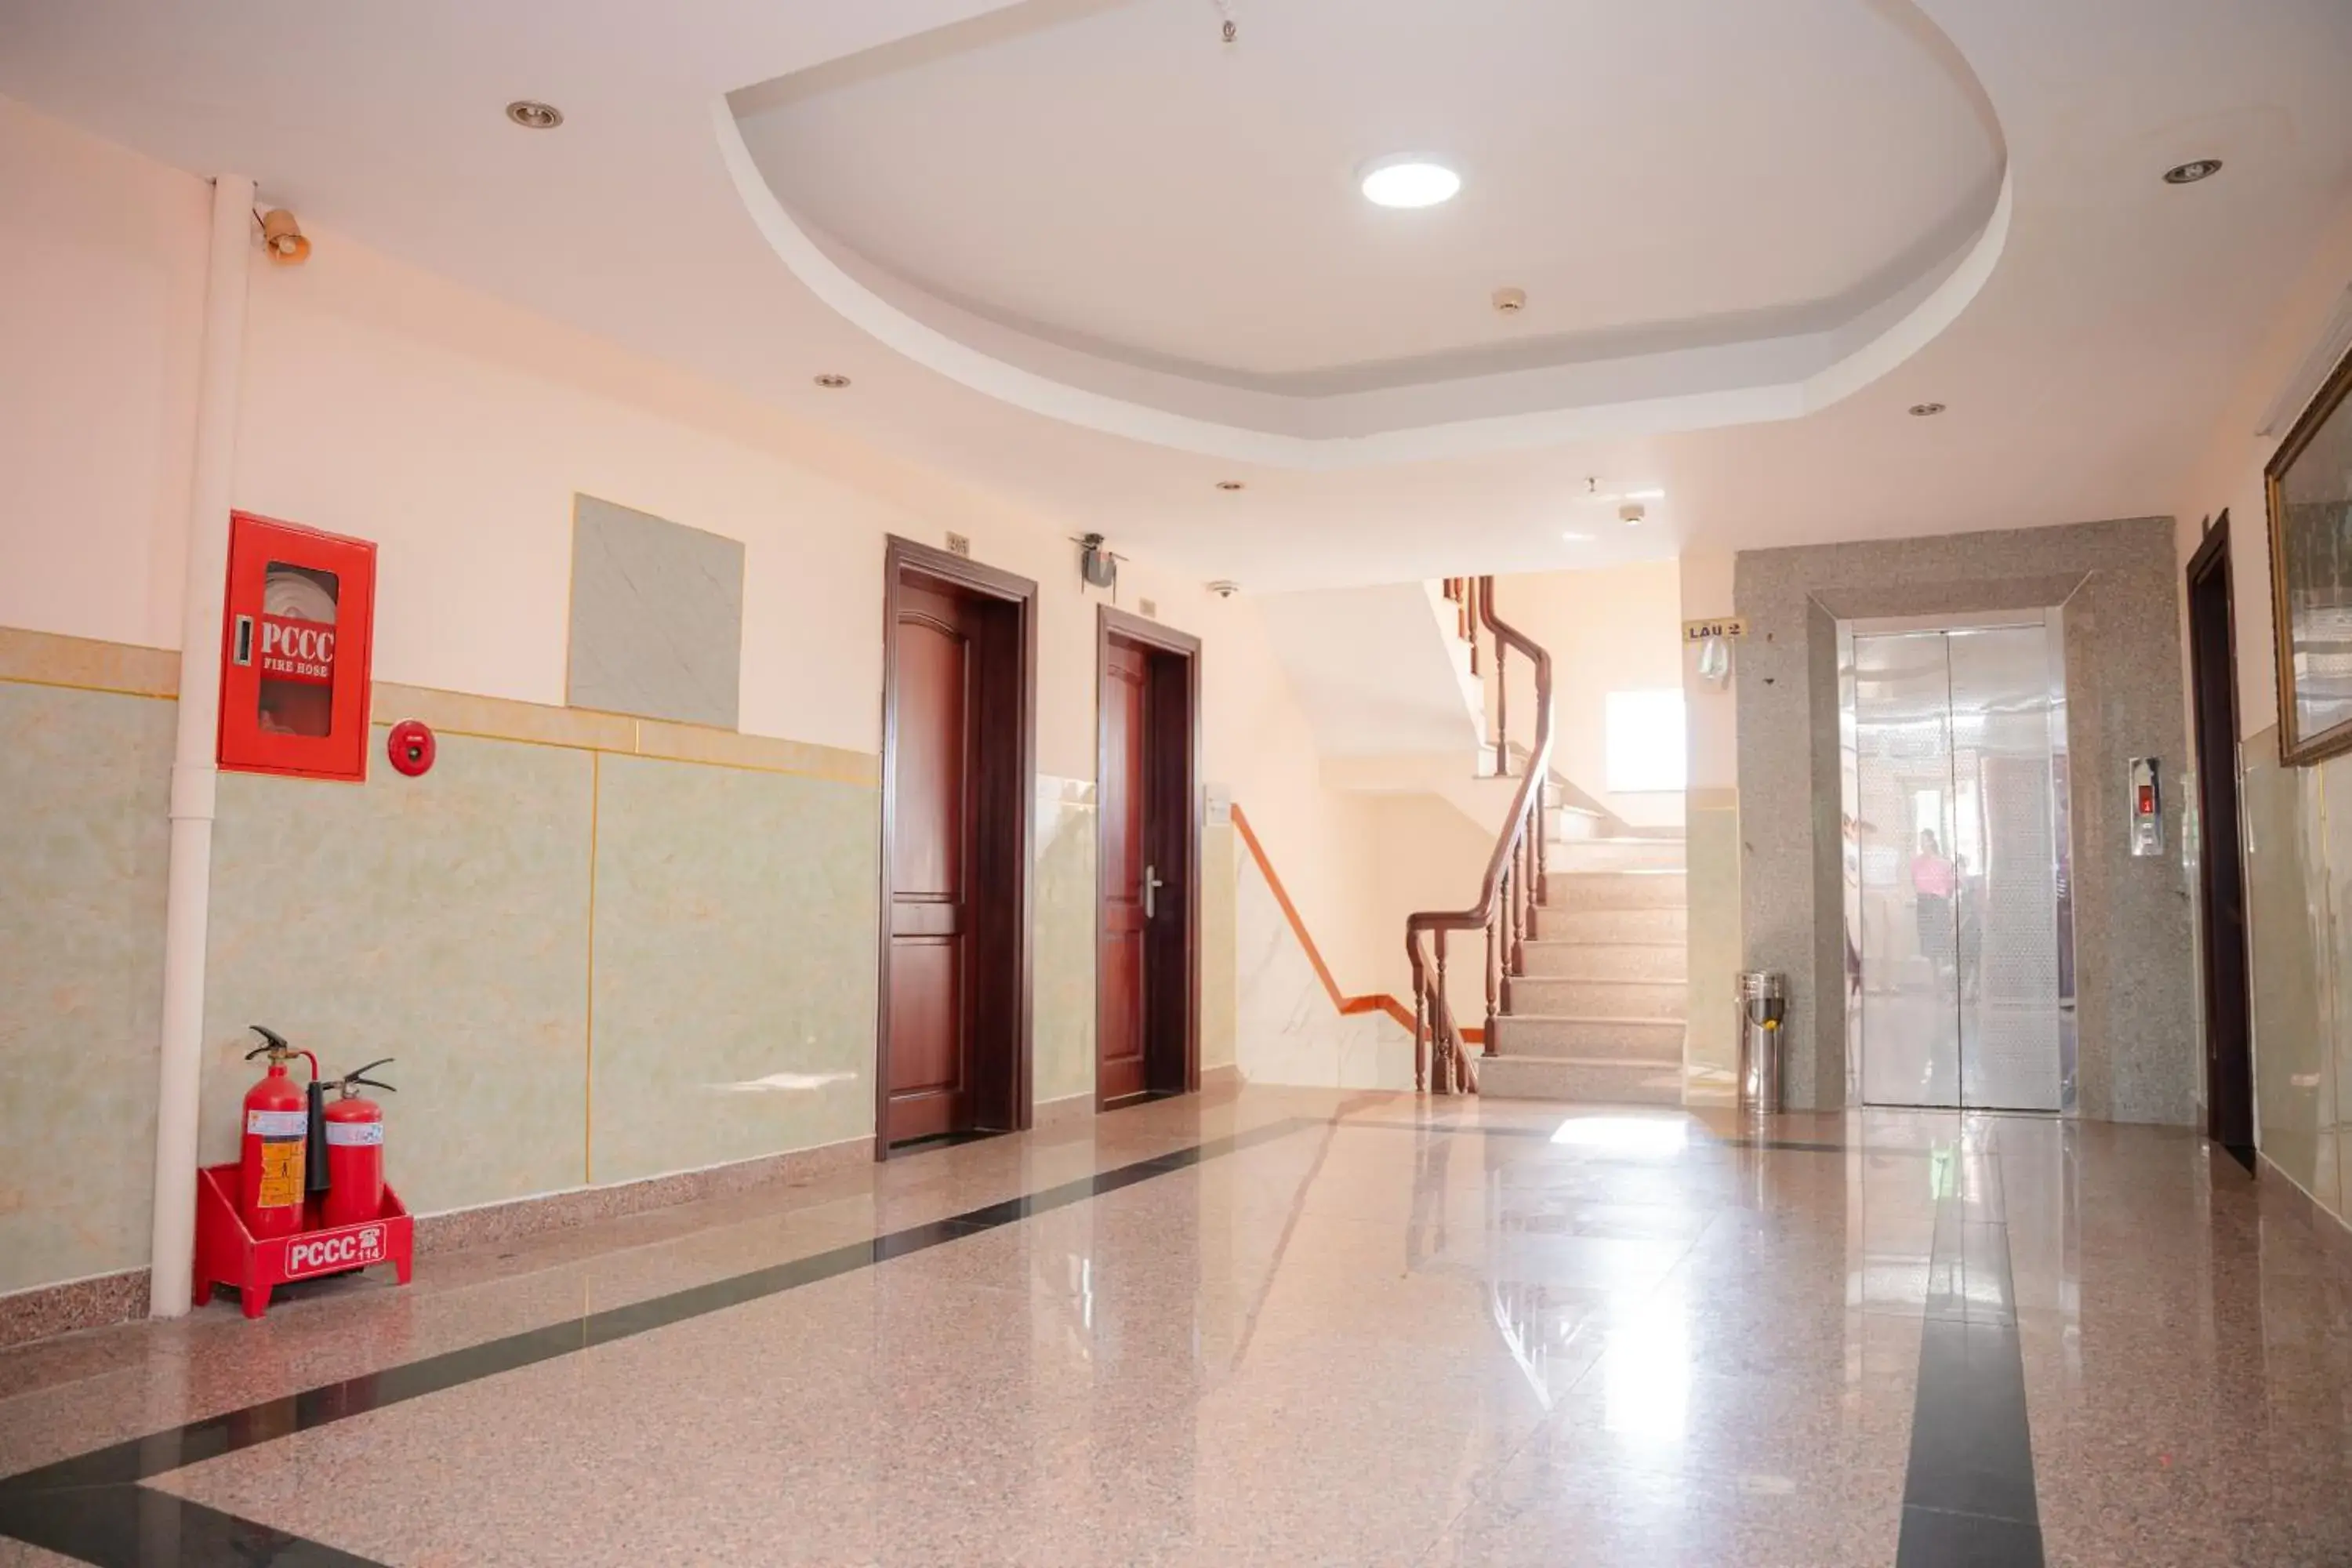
124	670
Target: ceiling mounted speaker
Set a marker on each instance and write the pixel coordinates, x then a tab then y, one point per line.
284	239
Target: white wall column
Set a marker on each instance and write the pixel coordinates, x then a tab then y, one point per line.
193	773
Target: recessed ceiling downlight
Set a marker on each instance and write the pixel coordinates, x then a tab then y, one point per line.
533	115
1409	180
2196	168
832	381
1925	410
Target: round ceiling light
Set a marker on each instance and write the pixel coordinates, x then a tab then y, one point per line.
832	381
1925	410
2196	168
533	115
1409	180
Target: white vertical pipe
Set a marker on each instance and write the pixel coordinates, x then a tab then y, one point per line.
194	774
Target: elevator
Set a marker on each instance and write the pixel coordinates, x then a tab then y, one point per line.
1959	920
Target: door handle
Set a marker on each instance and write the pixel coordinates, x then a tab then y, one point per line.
1152	886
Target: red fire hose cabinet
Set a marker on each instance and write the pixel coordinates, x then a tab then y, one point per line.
295	640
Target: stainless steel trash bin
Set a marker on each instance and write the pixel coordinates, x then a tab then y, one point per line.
1763	1002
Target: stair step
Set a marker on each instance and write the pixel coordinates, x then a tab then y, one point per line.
1573	824
1614	890
1654	1041
1617	854
1563	998
1567	1079
1657	925
1606	960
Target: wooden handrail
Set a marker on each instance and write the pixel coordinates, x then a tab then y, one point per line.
1508	896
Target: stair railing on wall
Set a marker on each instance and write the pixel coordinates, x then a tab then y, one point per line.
1514	884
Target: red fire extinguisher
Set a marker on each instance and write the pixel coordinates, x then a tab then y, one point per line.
269	1171
355	1152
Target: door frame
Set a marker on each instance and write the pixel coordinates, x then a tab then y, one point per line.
1172	1044
1005	780
2237	1071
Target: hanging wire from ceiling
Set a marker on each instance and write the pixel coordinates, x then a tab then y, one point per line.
1230	30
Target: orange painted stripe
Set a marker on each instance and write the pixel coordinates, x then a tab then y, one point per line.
1378	1002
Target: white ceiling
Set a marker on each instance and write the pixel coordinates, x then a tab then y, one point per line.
2083	368
1123	179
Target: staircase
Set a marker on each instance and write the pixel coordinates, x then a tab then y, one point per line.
1596	1010
1577	931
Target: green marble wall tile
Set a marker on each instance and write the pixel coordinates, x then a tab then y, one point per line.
2330	871
735	929
1219	989
2294	1087
439	920
85	777
1062	992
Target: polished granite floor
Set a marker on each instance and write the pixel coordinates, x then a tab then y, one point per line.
1278	1327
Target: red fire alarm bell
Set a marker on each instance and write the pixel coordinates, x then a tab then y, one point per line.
410	747
295	638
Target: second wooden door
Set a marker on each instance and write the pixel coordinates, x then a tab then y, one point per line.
1130	881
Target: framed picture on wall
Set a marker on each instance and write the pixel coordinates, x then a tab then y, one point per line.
2310	485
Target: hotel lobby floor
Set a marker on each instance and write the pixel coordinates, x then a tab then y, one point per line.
1279	1326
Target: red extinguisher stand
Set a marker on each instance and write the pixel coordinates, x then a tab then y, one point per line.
348	1226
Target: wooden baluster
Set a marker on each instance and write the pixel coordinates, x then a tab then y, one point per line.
1494	976
1543	837
1438	1009
1502	711
1527	856
1422	1007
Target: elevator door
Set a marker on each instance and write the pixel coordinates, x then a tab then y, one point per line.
1959	823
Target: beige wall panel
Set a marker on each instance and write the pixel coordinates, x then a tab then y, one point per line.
1219	992
1062	993
734	965
2294	1091
84	781
439	920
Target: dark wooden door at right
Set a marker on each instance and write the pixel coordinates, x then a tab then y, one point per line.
1130	880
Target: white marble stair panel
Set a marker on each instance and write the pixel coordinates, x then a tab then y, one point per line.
1658	1041
1600	998
1618	854
1606	960
1614	890
1663	926
1584	1082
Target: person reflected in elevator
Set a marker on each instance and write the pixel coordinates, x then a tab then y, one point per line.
1932	881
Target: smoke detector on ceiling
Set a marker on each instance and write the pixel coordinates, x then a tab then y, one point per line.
1510	301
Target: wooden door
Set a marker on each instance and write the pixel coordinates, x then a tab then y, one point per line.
2213	679
934	782
1127	903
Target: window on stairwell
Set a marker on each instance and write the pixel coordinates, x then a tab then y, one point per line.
1646	745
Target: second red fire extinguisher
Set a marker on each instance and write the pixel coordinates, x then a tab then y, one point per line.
355	1129
269	1190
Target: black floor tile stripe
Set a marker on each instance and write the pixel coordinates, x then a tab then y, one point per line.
1969	1490
92	1507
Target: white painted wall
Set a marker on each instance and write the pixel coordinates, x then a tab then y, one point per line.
386	402
1612	629
1378	669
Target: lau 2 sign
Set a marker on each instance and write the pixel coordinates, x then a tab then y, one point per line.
332	1251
